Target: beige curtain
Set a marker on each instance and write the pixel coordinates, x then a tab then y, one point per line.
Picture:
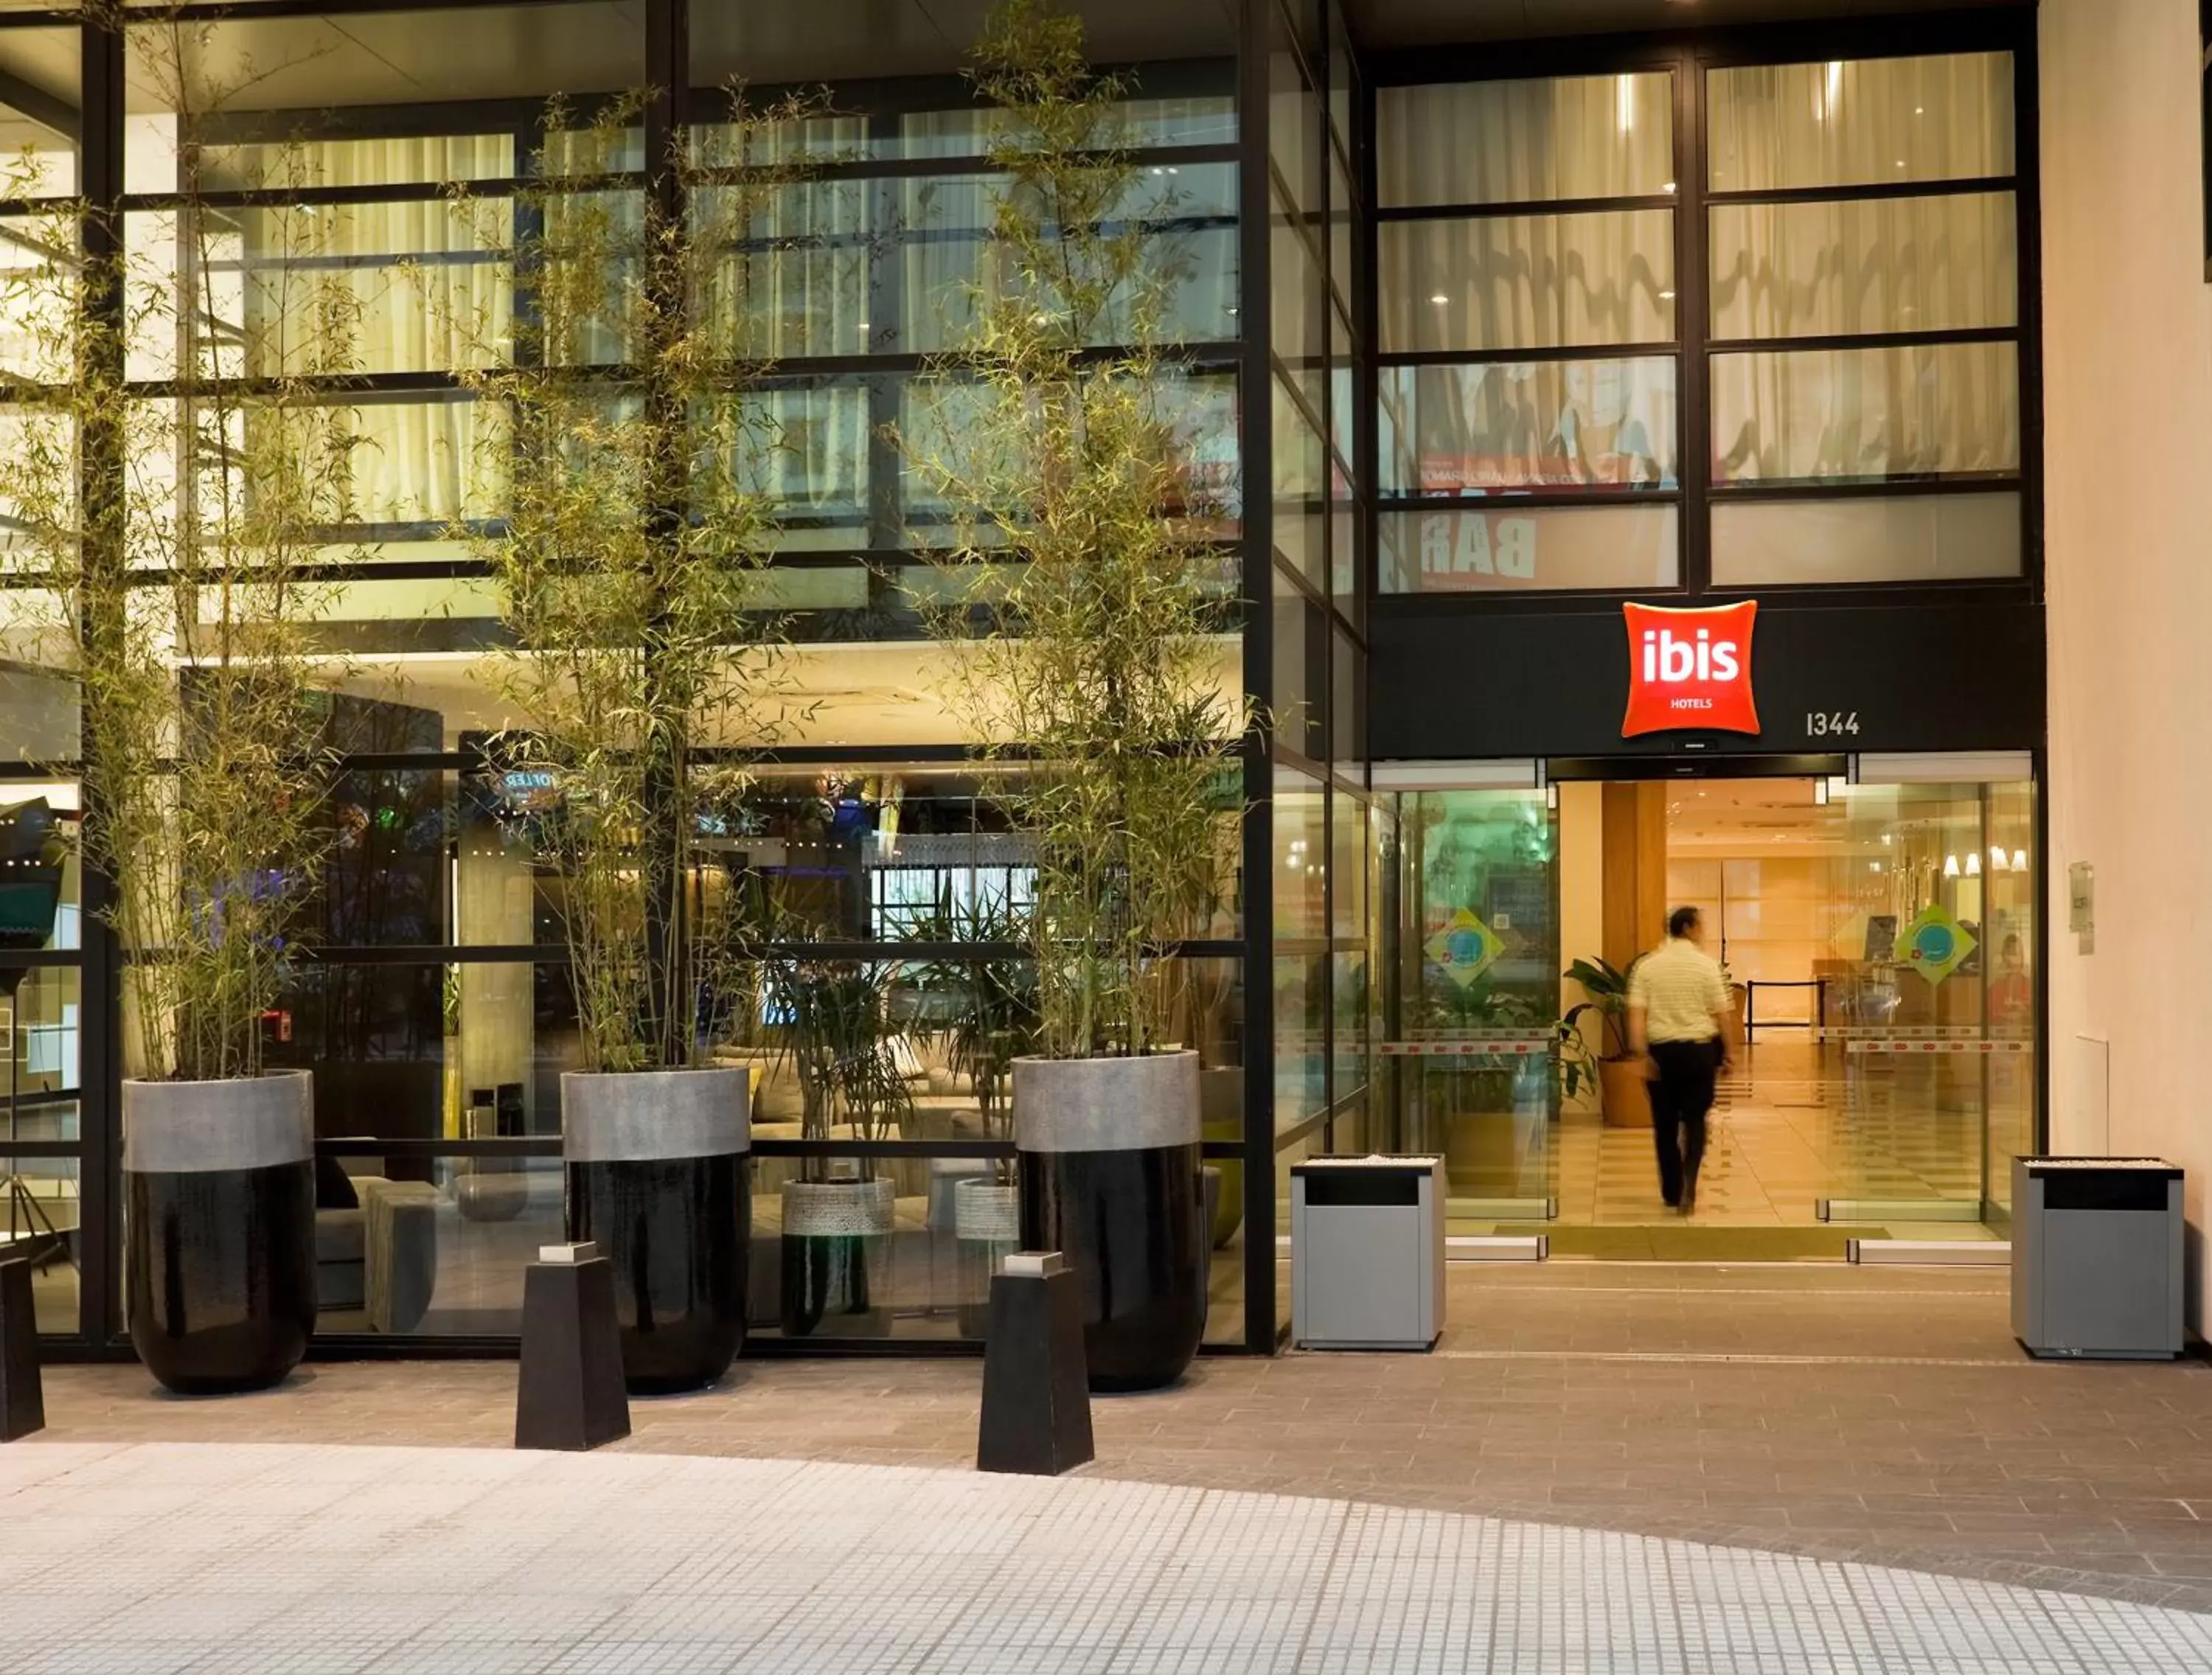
1527	281
1844	413
1938	264
1525	142
1772	127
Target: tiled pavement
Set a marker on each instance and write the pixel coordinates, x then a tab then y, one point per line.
239	1559
1881	1416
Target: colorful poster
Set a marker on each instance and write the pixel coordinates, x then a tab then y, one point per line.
1465	947
1936	944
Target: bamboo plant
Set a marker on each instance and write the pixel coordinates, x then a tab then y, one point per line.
1087	609
172	530
633	463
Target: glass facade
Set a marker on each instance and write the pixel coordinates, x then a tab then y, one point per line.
358	207
1671	326
1847	345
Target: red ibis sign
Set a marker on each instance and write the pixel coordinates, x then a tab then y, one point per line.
1689	670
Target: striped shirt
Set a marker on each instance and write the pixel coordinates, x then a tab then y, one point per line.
1679	987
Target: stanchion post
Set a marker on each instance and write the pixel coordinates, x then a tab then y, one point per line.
570	1394
1037	1387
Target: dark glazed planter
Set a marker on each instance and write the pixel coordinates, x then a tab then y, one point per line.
837	1258
659	1174
1110	1178
219	1188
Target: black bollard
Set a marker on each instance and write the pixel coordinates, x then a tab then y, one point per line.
1036	1391
22	1400
570	1393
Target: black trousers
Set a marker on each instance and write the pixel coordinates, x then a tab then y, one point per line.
1681	1096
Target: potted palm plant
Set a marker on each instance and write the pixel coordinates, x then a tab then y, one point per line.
646	677
1096	658
176	538
837	1215
1623	1093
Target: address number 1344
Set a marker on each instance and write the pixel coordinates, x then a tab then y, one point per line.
1829	724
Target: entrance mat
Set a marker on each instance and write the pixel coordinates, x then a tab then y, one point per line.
1688	1242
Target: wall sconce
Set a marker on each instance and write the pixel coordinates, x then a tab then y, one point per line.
1950	866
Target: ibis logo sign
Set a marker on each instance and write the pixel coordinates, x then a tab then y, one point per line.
1689	670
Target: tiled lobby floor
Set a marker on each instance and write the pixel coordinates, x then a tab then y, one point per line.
1793	1124
1881	1416
241	1559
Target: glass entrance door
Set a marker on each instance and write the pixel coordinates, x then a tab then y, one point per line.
1879	937
1477	997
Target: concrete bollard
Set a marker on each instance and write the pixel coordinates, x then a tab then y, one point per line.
1036	1389
570	1394
22	1398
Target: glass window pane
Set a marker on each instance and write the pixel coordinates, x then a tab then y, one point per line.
1880	264
1504	425
457	1232
41	883
45	1035
942	223
1866	415
1199	120
1912	538
46	1221
1527	281
1525	142
1471	550
43	71
1298	310
1300	700
1773	127
1294	123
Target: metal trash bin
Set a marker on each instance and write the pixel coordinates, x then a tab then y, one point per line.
1367	1253
2097	1257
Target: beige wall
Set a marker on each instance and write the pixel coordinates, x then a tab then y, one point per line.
2128	390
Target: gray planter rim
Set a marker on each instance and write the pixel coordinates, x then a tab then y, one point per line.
642	1116
1107	1104
242	1122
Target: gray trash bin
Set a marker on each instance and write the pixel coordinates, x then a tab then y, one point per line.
2097	1257
1367	1253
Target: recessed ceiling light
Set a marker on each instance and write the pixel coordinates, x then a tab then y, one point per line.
1440	299
1666	296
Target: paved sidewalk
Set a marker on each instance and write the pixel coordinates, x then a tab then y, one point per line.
1842	1413
239	1559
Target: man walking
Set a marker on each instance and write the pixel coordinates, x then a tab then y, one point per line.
1678	1006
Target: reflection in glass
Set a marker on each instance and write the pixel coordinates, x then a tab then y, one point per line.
1484	549
1858	122
435	1247
1525	141
1527	282
41	1219
1478	964
1551	424
1942	263
1866	415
